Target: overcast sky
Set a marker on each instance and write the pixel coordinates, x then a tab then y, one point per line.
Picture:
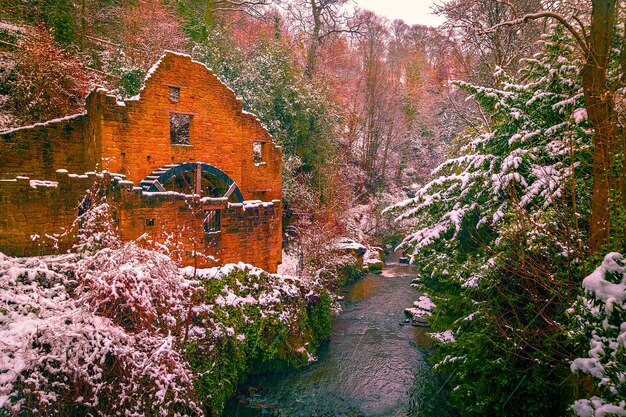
411	11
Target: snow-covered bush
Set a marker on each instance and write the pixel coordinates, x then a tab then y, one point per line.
603	320
421	309
134	287
66	347
124	331
118	329
96	228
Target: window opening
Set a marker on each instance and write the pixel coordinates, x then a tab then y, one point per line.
149	222
257	152
174	94
212	221
179	128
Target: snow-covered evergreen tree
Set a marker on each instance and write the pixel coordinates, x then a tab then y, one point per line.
603	320
498	237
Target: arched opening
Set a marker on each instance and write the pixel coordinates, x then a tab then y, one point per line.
193	178
186	183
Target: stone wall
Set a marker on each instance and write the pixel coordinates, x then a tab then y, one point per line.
132	138
255	232
39	150
248	233
38	217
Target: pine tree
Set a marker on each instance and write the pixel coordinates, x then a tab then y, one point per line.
602	319
498	239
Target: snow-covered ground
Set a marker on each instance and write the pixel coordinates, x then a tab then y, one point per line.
289	265
110	331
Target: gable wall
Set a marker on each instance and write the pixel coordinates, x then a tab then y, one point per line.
136	135
133	138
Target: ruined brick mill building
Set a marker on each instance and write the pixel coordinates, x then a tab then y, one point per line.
186	163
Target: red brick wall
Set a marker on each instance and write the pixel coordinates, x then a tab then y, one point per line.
40	150
48	212
252	236
136	135
133	138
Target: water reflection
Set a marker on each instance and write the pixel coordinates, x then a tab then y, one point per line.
363	288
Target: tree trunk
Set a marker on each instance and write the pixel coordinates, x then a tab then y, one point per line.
621	153
371	108
600	110
311	55
383	170
208	14
83	26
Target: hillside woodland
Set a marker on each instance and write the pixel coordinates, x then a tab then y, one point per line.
490	150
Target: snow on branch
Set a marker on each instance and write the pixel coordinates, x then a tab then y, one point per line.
580	38
603	317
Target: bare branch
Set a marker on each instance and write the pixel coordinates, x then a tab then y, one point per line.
507	3
541	15
249	7
582	27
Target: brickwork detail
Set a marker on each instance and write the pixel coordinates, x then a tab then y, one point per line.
132	138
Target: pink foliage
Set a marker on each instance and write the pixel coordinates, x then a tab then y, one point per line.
134	287
71	337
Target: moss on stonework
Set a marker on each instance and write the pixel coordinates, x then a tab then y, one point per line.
375	268
248	338
349	273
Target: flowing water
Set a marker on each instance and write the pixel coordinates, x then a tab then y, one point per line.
372	366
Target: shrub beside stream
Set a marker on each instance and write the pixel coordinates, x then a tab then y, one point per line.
258	322
125	331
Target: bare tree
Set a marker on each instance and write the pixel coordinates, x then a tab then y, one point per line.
149	28
253	8
486	50
319	19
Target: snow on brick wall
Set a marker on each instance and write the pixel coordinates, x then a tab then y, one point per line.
133	138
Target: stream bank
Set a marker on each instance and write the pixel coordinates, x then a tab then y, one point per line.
373	365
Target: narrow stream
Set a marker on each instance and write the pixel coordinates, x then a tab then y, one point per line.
372	366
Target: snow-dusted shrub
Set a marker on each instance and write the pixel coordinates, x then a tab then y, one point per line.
247	320
603	320
96	230
135	288
95	226
62	353
372	260
323	255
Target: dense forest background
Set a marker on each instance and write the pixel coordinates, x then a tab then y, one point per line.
360	104
497	140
